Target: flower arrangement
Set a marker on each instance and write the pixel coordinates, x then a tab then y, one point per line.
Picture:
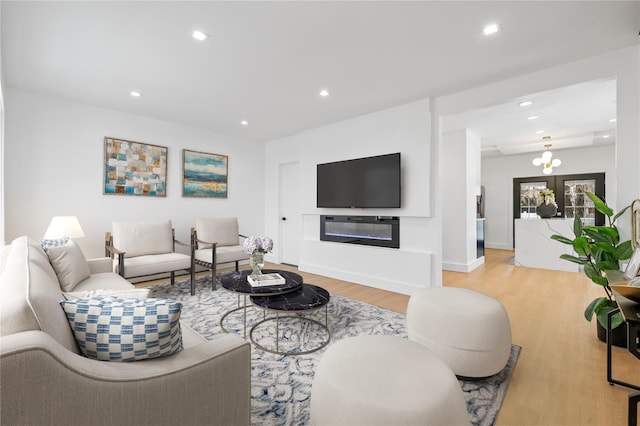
547	197
255	245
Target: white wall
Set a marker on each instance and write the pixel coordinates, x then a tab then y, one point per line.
498	174
54	166
460	180
404	129
624	65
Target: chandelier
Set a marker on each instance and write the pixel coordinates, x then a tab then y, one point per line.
545	159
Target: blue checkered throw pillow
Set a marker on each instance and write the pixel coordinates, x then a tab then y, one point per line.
117	329
55	242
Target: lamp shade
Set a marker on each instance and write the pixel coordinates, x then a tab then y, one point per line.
61	226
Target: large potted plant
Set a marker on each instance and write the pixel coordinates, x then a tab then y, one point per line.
599	249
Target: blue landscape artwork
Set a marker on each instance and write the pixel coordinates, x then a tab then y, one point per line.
204	175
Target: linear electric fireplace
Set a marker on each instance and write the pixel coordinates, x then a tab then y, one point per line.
382	231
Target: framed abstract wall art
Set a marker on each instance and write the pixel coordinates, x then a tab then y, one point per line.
134	168
204	175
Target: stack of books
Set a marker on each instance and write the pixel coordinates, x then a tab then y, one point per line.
264	280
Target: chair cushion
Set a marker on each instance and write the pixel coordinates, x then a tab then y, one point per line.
116	329
155	264
69	263
222	231
224	254
141	238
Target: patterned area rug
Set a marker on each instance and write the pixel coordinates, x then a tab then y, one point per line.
281	384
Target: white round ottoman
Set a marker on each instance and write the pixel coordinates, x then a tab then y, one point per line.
470	331
385	380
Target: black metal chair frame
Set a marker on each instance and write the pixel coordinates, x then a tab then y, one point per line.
212	266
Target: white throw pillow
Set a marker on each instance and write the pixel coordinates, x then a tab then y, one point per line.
70	265
128	293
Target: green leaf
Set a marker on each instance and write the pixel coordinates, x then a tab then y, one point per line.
577	226
608	265
623	251
573	259
609	232
598	236
562	239
620	213
605	247
581	246
594	274
600	205
595	304
616	319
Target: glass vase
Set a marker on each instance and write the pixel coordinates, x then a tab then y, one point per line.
256	261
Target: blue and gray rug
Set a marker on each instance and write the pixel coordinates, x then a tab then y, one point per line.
281	385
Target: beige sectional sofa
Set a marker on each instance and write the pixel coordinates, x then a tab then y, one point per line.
44	380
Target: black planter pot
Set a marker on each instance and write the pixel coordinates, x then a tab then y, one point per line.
618	334
546	210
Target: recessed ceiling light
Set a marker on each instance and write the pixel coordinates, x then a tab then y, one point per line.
244	122
324	93
533	117
525	103
199	35
606	136
613	120
539	131
135	94
491	29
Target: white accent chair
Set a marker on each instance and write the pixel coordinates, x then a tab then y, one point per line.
143	249
215	242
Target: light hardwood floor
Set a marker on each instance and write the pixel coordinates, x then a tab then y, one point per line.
560	377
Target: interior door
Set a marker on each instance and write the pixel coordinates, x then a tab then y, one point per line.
290	217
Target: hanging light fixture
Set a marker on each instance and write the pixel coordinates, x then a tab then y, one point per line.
545	159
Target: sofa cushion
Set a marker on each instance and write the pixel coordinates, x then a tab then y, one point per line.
69	263
140	238
116	329
30	294
127	293
222	231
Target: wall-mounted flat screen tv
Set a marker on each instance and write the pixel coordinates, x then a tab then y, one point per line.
372	182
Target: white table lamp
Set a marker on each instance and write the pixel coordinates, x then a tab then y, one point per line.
64	225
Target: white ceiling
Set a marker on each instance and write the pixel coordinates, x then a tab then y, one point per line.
267	61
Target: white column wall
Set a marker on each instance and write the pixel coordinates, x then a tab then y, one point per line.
54	166
460	180
404	129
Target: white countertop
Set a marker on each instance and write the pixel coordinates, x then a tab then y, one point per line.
534	247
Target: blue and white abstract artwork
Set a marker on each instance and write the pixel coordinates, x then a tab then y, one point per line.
204	175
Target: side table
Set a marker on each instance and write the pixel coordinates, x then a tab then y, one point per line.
294	304
236	282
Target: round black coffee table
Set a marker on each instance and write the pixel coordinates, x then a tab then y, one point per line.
236	282
306	299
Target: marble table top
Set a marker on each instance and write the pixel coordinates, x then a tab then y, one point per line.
237	282
306	298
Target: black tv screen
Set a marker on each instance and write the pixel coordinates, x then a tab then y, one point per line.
372	182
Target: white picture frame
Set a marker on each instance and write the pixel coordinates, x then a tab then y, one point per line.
633	266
